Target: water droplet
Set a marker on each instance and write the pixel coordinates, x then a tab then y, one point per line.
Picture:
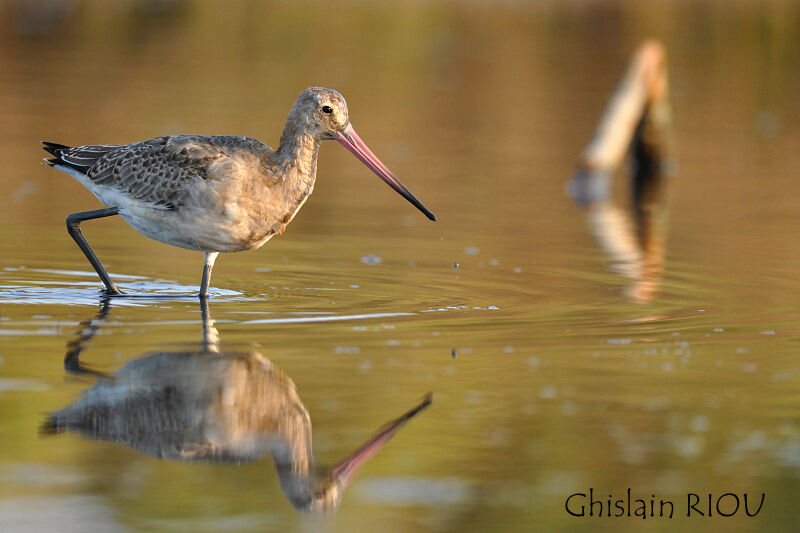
690	445
473	397
548	392
749	367
569	408
371	259
472	250
346	350
699	424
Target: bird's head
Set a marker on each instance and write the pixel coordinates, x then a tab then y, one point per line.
323	113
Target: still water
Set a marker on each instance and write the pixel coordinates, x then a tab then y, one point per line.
546	379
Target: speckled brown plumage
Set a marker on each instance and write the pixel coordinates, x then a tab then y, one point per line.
161	171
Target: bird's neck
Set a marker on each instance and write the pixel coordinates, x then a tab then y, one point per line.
298	151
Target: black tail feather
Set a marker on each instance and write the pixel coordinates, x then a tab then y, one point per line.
80	158
59	151
54	148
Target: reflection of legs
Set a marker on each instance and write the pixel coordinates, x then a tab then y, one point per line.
88	328
208	260
74	228
210	333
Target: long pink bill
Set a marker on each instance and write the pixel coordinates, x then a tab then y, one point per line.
344	470
350	139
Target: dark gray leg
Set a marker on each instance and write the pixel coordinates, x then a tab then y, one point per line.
208	265
74	228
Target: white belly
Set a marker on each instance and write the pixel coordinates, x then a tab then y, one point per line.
195	229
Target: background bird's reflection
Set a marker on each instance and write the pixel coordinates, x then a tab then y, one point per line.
210	405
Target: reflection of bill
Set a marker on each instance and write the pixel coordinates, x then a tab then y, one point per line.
637	119
210	406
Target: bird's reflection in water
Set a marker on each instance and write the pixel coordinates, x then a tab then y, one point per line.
208	405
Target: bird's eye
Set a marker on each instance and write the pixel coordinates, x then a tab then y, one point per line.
327	109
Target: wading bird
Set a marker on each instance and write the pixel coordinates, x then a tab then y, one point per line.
214	193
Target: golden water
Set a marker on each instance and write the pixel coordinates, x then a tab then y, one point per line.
546	380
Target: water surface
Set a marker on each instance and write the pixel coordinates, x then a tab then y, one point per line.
546	379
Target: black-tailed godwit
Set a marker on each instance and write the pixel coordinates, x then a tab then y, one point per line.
214	193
